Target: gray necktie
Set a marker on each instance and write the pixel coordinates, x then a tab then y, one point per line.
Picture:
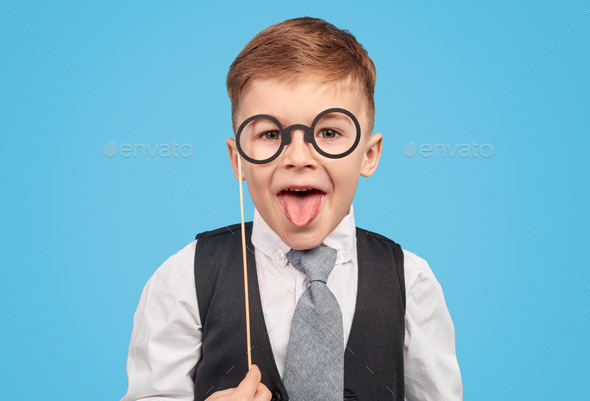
314	367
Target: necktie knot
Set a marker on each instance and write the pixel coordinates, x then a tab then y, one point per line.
315	263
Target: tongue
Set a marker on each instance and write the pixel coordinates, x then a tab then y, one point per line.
301	209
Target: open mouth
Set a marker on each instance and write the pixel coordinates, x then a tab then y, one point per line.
301	205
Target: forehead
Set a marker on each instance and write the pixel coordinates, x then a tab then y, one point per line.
299	101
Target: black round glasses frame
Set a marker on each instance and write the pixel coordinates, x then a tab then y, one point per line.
308	135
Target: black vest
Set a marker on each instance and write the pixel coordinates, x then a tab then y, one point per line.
373	360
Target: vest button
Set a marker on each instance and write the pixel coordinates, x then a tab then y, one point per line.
276	396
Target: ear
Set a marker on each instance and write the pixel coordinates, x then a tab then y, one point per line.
233	158
372	154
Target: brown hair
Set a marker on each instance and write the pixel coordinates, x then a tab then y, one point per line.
309	47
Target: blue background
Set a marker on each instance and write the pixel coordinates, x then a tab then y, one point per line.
441	66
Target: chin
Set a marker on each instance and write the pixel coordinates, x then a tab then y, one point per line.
303	240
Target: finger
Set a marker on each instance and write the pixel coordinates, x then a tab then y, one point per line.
249	385
262	393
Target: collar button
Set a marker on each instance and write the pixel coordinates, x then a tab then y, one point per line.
280	255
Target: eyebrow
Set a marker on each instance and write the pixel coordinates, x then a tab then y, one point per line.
338	116
334	115
253	123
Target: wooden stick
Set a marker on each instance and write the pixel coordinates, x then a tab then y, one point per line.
245	264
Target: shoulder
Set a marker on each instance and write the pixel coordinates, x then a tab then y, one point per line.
231	229
168	299
380	241
178	268
419	277
379	237
416	270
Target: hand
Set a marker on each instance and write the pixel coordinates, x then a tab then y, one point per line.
250	389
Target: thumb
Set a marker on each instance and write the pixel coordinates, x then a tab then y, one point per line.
249	385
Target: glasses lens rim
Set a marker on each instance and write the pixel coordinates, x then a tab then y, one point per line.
239	133
354	145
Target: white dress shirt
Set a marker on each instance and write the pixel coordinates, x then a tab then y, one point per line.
165	342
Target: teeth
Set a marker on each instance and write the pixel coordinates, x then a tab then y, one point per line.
298	190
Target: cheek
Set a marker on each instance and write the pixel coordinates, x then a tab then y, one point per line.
345	176
258	180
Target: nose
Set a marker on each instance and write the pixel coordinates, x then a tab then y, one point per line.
299	153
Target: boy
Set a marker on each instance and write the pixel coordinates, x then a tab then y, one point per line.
372	325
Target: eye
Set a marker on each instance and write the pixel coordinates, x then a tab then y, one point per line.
271	135
328	133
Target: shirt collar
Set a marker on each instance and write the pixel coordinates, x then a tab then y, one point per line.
343	239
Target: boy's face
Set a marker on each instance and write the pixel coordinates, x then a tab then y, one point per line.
303	222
